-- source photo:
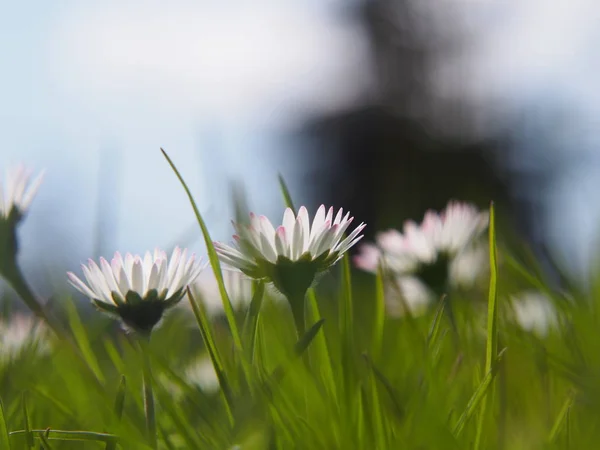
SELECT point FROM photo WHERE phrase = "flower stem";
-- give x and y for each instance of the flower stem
(297, 305)
(15, 278)
(149, 410)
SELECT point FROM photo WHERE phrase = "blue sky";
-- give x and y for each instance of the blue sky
(87, 85)
(218, 83)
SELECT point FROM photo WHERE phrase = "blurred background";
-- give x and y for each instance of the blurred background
(383, 107)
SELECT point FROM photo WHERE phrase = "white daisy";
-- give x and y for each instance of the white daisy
(18, 191)
(534, 312)
(238, 287)
(21, 332)
(136, 289)
(292, 255)
(442, 252)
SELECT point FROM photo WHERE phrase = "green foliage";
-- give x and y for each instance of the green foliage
(358, 378)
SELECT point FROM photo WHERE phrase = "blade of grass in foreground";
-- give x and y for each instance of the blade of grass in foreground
(491, 351)
(346, 326)
(44, 440)
(213, 352)
(82, 341)
(287, 198)
(379, 322)
(4, 441)
(118, 408)
(28, 433)
(562, 418)
(251, 321)
(476, 398)
(62, 435)
(214, 259)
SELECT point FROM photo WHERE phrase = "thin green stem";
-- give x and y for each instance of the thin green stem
(15, 278)
(149, 410)
(297, 305)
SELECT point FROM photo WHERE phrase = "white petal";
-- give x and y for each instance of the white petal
(31, 191)
(338, 217)
(137, 277)
(153, 277)
(329, 215)
(304, 221)
(289, 221)
(267, 230)
(318, 222)
(281, 244)
(108, 275)
(81, 286)
(324, 243)
(268, 250)
(297, 239)
(320, 235)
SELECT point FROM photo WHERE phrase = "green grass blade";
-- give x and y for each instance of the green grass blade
(118, 408)
(319, 351)
(4, 440)
(44, 440)
(346, 327)
(251, 322)
(387, 385)
(305, 341)
(28, 434)
(82, 340)
(207, 337)
(378, 422)
(120, 397)
(561, 419)
(492, 323)
(476, 398)
(491, 350)
(434, 329)
(63, 435)
(379, 321)
(213, 258)
(287, 198)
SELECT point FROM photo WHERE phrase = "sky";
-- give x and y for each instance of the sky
(91, 90)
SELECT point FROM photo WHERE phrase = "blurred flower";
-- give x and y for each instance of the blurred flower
(294, 254)
(238, 287)
(136, 289)
(16, 195)
(202, 373)
(534, 312)
(20, 333)
(427, 259)
(18, 191)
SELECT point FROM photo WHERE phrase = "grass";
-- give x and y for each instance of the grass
(358, 379)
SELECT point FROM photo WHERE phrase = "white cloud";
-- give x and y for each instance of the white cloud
(226, 60)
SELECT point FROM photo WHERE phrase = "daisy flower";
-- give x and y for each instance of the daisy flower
(18, 191)
(238, 287)
(426, 259)
(533, 311)
(138, 290)
(19, 333)
(293, 254)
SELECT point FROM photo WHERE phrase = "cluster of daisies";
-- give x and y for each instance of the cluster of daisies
(446, 251)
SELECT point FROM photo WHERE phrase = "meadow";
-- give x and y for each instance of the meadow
(406, 345)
